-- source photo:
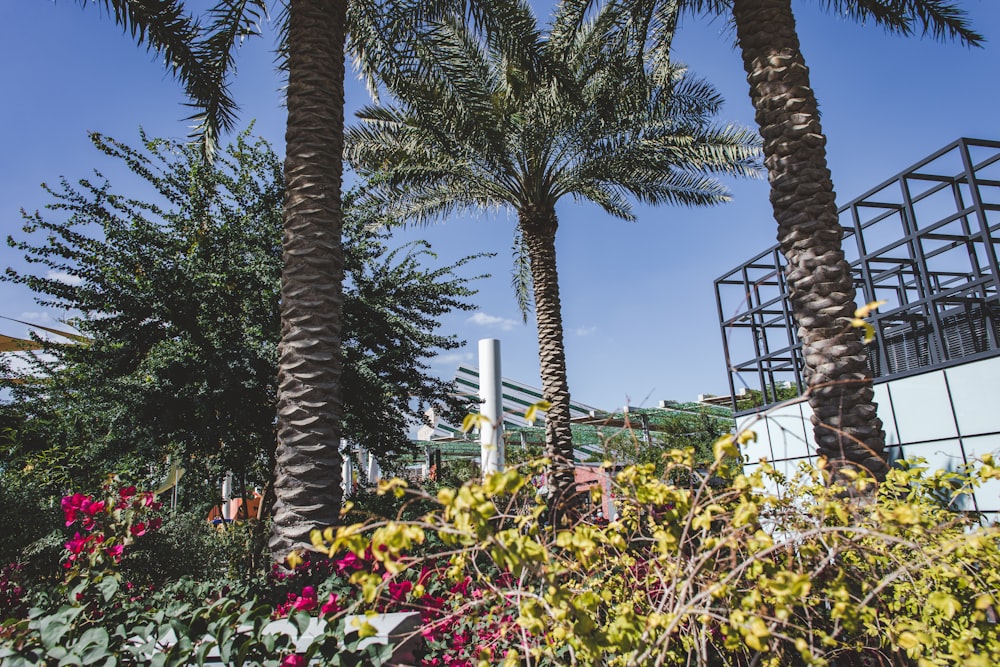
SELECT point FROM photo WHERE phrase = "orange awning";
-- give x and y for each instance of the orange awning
(11, 344)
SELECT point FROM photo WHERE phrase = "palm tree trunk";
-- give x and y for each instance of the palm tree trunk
(307, 474)
(539, 230)
(846, 428)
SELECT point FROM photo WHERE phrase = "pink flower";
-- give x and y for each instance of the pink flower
(307, 601)
(294, 660)
(138, 529)
(425, 574)
(77, 504)
(331, 606)
(126, 492)
(154, 524)
(115, 551)
(399, 591)
(348, 562)
(71, 505)
(462, 587)
(149, 500)
(77, 544)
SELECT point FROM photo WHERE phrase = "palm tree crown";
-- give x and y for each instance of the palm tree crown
(520, 118)
(477, 124)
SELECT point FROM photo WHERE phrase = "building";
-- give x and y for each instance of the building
(598, 436)
(922, 241)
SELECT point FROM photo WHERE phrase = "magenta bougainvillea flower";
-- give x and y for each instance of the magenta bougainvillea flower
(108, 526)
(306, 601)
(349, 563)
(399, 591)
(331, 606)
(80, 506)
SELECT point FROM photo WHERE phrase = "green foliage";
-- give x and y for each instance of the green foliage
(754, 398)
(507, 114)
(177, 295)
(183, 624)
(651, 436)
(818, 574)
(188, 546)
(391, 308)
(737, 576)
(176, 288)
(26, 515)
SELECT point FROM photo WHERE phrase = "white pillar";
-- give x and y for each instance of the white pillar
(227, 495)
(347, 473)
(491, 395)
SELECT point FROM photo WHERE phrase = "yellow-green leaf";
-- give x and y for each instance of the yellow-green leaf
(472, 421)
(531, 414)
(866, 310)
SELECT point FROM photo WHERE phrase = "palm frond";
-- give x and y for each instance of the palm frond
(941, 19)
(233, 21)
(566, 24)
(200, 65)
(521, 277)
(611, 199)
(604, 121)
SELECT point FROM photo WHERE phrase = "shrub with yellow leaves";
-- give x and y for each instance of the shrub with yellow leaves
(760, 570)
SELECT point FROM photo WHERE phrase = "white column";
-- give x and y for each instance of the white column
(227, 495)
(347, 474)
(373, 470)
(490, 393)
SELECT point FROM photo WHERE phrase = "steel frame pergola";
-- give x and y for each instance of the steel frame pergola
(925, 241)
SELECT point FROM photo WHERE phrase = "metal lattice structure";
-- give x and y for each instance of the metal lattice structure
(925, 242)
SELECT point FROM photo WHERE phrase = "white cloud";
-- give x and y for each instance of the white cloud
(65, 278)
(492, 321)
(450, 359)
(584, 331)
(37, 317)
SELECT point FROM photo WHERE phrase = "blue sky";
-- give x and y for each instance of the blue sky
(638, 301)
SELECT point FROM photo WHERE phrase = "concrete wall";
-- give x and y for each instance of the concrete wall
(947, 416)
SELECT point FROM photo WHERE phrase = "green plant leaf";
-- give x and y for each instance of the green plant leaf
(108, 586)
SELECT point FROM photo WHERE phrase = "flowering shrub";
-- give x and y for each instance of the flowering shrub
(821, 573)
(12, 593)
(109, 526)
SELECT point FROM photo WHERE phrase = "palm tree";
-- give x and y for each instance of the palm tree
(519, 118)
(821, 290)
(307, 476)
(307, 472)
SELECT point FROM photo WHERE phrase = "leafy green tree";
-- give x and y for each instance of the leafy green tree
(521, 118)
(821, 288)
(178, 290)
(313, 37)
